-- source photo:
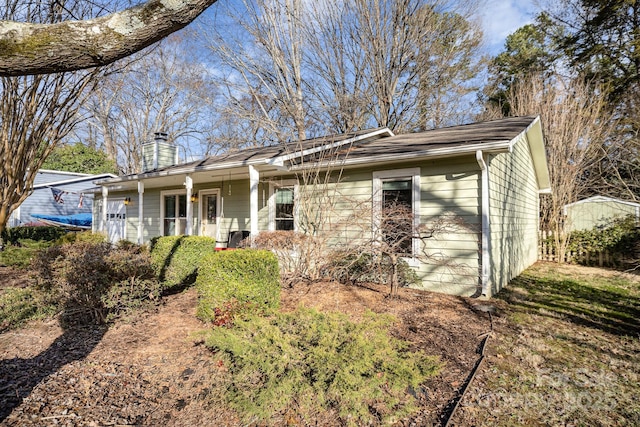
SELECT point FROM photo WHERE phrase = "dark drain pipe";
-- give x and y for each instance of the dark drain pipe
(472, 375)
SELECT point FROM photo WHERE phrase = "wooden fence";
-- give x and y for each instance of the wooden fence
(547, 252)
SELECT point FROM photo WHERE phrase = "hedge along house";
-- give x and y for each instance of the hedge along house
(598, 211)
(487, 175)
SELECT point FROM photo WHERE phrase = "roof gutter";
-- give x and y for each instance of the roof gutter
(486, 225)
(277, 162)
(96, 178)
(491, 148)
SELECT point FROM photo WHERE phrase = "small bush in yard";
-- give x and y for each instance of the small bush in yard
(175, 259)
(20, 253)
(82, 237)
(620, 236)
(309, 362)
(129, 295)
(350, 267)
(92, 280)
(297, 253)
(246, 277)
(18, 305)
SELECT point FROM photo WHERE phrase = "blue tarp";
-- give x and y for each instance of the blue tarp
(79, 220)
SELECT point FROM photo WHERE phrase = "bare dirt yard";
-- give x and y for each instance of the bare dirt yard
(154, 371)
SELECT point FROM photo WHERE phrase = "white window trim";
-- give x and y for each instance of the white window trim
(287, 183)
(162, 195)
(378, 178)
(208, 192)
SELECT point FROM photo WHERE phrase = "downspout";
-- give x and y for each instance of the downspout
(254, 180)
(486, 242)
(140, 211)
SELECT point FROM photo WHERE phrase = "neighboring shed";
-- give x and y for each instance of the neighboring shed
(488, 175)
(71, 187)
(597, 211)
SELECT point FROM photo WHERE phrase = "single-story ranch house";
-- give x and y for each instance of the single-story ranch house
(488, 176)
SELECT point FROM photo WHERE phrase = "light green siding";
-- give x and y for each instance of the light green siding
(341, 212)
(151, 220)
(446, 262)
(586, 215)
(166, 155)
(96, 213)
(451, 188)
(235, 211)
(514, 214)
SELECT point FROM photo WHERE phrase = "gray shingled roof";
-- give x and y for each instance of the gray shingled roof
(495, 131)
(449, 141)
(249, 155)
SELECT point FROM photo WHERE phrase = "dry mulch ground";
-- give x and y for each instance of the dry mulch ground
(153, 371)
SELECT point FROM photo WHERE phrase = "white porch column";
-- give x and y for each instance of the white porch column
(254, 179)
(140, 211)
(188, 182)
(103, 220)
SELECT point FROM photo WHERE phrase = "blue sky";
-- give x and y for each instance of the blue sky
(500, 18)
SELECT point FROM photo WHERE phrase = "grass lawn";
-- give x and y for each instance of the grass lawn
(565, 351)
(19, 256)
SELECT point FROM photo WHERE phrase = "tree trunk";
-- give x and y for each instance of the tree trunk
(394, 274)
(27, 48)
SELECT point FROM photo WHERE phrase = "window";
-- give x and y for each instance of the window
(396, 198)
(284, 208)
(396, 215)
(174, 218)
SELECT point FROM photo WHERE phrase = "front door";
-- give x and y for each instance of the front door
(116, 220)
(209, 215)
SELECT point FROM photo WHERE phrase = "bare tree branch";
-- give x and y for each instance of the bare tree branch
(34, 48)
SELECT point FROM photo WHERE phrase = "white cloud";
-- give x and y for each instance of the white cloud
(500, 18)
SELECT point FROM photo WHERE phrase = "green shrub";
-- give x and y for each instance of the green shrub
(39, 233)
(175, 259)
(127, 296)
(620, 236)
(348, 267)
(20, 253)
(310, 362)
(246, 277)
(85, 278)
(18, 305)
(82, 237)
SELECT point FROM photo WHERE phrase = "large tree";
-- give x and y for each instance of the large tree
(36, 112)
(603, 43)
(70, 44)
(575, 124)
(160, 90)
(298, 69)
(79, 158)
(532, 50)
(535, 75)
